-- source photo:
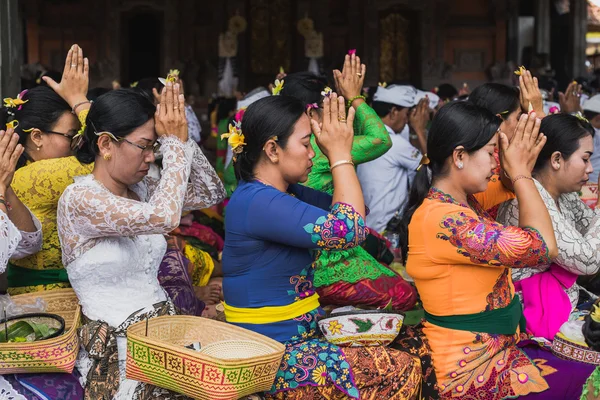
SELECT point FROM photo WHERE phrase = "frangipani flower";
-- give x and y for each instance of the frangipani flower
(277, 87)
(520, 71)
(172, 77)
(326, 92)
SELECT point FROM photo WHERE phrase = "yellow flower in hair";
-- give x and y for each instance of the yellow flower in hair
(134, 84)
(14, 103)
(326, 92)
(172, 77)
(520, 71)
(12, 124)
(383, 84)
(235, 138)
(277, 87)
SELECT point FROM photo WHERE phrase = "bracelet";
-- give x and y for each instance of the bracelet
(74, 109)
(341, 162)
(360, 96)
(518, 177)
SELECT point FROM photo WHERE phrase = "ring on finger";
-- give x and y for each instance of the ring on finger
(359, 74)
(73, 65)
(342, 120)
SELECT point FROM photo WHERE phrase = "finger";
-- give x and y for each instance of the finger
(520, 130)
(363, 71)
(156, 95)
(16, 154)
(163, 102)
(68, 61)
(523, 87)
(336, 78)
(12, 141)
(51, 82)
(182, 107)
(79, 60)
(561, 97)
(326, 111)
(503, 141)
(529, 127)
(86, 68)
(342, 108)
(350, 117)
(540, 144)
(171, 102)
(334, 109)
(3, 143)
(536, 130)
(347, 66)
(353, 62)
(316, 129)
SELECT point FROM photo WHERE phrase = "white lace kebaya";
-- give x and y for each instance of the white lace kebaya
(113, 246)
(16, 244)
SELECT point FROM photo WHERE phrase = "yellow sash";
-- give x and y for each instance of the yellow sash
(267, 315)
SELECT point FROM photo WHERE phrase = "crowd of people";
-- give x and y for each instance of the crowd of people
(485, 194)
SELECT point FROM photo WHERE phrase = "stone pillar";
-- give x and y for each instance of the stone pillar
(11, 48)
(542, 26)
(577, 43)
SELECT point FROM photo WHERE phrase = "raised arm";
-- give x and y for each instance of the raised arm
(205, 189)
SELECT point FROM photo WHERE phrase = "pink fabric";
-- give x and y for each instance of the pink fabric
(546, 305)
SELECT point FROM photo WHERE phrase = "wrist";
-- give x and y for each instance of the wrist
(76, 99)
(337, 157)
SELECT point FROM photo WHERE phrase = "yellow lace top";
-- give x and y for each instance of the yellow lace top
(39, 185)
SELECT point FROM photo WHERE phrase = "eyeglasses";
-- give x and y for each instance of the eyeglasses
(153, 148)
(72, 138)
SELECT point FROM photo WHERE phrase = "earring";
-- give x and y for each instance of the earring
(558, 166)
(460, 165)
(38, 149)
(276, 159)
(107, 157)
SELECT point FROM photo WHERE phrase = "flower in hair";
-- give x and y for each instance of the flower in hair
(383, 84)
(520, 71)
(235, 138)
(326, 92)
(172, 77)
(12, 124)
(580, 116)
(554, 110)
(16, 103)
(134, 84)
(277, 87)
(312, 106)
(351, 52)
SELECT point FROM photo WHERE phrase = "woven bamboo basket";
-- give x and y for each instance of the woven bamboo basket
(213, 373)
(51, 355)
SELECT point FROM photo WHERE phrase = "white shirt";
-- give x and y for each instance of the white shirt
(16, 244)
(385, 181)
(194, 127)
(595, 158)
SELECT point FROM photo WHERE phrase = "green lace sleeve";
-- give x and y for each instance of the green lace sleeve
(371, 139)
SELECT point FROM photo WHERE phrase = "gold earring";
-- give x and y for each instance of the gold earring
(107, 157)
(276, 159)
(38, 149)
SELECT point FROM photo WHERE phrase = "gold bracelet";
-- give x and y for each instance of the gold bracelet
(516, 178)
(341, 162)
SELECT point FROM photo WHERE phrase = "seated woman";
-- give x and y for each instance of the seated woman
(461, 259)
(111, 223)
(562, 168)
(272, 224)
(20, 230)
(46, 128)
(351, 276)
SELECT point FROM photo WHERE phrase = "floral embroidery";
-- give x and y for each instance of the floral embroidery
(335, 327)
(487, 242)
(342, 229)
(303, 284)
(500, 296)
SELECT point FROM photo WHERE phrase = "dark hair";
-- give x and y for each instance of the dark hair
(447, 92)
(94, 93)
(563, 132)
(305, 86)
(383, 109)
(497, 98)
(119, 112)
(43, 109)
(455, 124)
(264, 119)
